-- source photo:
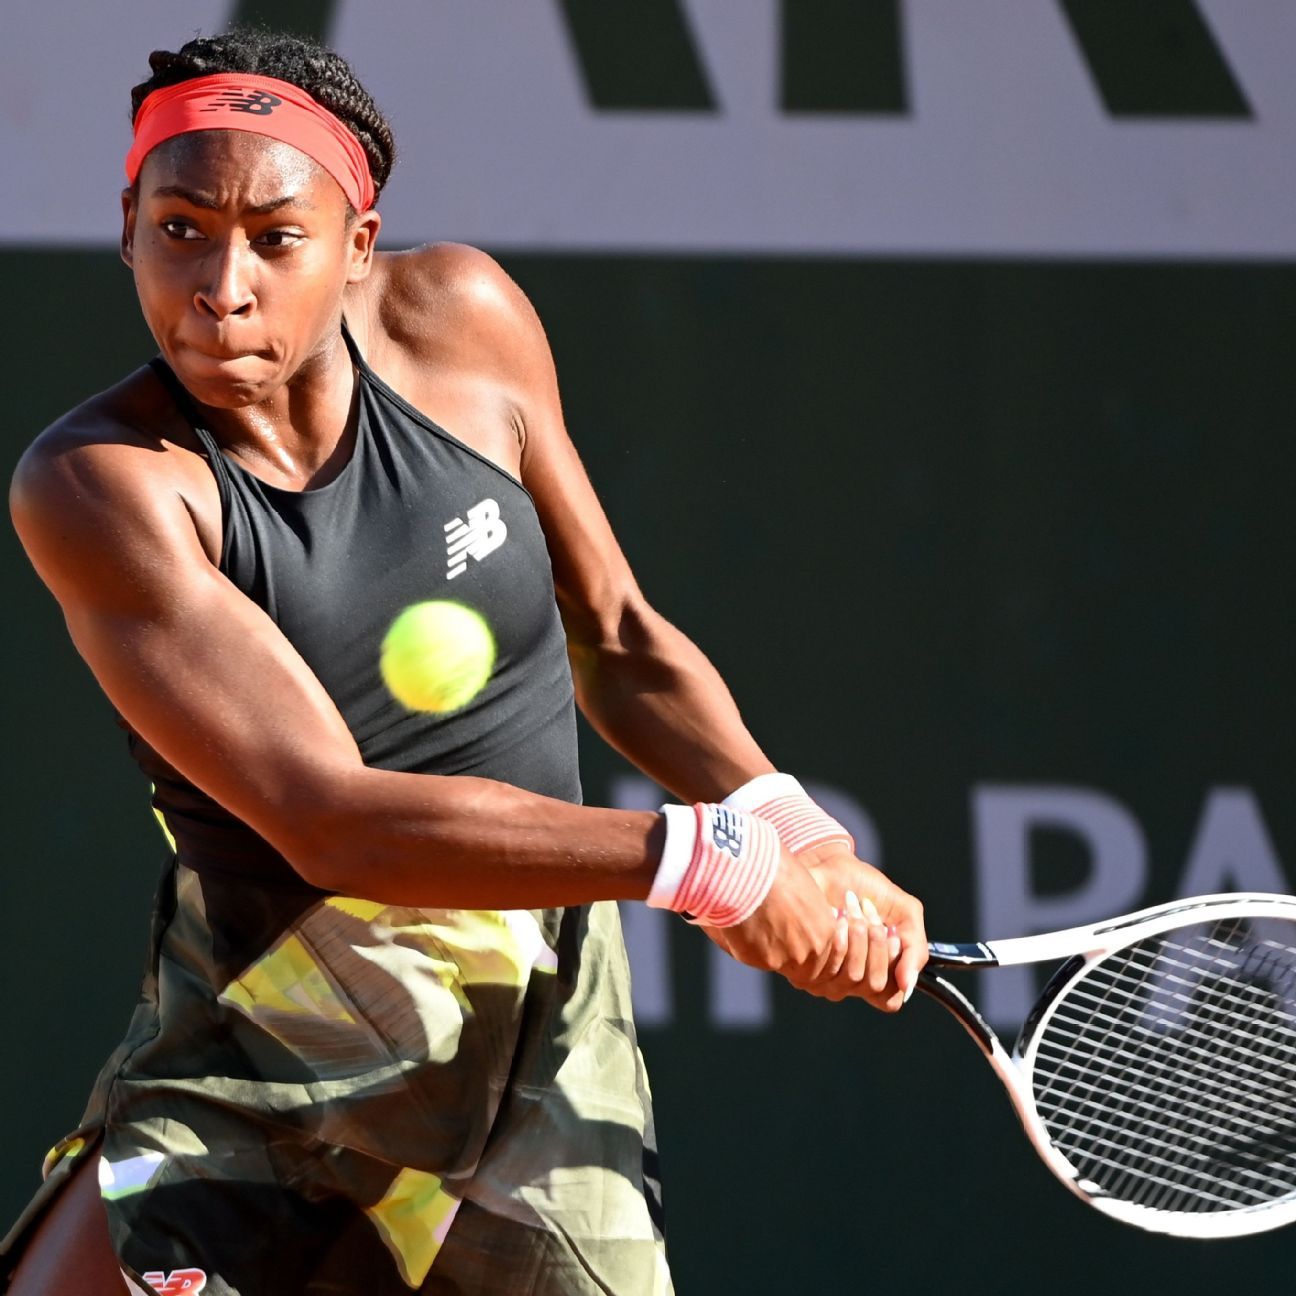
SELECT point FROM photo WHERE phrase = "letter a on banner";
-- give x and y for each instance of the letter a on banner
(1232, 849)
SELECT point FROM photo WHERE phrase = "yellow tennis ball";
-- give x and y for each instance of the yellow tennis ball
(437, 656)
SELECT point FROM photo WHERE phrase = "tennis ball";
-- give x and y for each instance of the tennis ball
(437, 656)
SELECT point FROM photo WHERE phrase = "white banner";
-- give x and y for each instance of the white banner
(1005, 147)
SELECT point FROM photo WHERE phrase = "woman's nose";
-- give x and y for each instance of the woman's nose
(228, 290)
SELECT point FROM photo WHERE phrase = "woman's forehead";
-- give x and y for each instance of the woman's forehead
(232, 165)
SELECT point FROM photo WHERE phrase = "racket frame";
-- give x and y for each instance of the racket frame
(1081, 948)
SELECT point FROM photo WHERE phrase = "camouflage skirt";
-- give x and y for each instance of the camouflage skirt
(323, 1095)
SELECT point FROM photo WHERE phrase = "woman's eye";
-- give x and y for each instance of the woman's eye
(178, 229)
(278, 238)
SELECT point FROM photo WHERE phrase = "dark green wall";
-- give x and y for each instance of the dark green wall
(940, 524)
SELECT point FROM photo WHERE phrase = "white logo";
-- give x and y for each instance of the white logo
(483, 533)
(190, 1281)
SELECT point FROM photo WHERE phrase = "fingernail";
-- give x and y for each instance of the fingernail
(853, 905)
(871, 912)
(909, 993)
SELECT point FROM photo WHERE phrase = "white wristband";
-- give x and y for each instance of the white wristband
(717, 865)
(677, 854)
(763, 789)
(779, 799)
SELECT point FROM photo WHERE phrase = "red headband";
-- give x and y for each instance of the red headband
(262, 106)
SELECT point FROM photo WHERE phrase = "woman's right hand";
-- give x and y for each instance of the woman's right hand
(797, 933)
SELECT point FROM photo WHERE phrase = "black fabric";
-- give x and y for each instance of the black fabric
(333, 567)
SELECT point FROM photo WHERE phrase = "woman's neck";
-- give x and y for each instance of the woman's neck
(303, 433)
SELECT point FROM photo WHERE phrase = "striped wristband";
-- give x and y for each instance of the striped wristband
(780, 800)
(717, 866)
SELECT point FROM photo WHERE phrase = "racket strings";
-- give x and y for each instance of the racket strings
(1150, 1098)
(1137, 1171)
(1166, 1073)
(1200, 1064)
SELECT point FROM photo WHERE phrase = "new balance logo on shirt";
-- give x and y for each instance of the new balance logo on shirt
(482, 533)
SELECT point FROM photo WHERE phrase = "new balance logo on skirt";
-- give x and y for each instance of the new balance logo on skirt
(188, 1281)
(481, 534)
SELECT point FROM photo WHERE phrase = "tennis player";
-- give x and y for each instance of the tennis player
(385, 1042)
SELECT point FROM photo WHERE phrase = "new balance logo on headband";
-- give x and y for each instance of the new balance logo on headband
(259, 103)
(481, 534)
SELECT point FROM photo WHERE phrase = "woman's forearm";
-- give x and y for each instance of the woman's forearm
(652, 694)
(463, 842)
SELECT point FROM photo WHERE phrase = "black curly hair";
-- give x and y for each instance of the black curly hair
(325, 76)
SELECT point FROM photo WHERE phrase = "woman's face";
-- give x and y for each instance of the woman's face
(241, 247)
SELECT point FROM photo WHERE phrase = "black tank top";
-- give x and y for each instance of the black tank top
(414, 515)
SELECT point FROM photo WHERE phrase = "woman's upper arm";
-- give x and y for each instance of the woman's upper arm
(592, 579)
(196, 668)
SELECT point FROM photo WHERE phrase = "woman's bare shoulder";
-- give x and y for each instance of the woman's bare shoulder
(128, 431)
(448, 295)
(125, 451)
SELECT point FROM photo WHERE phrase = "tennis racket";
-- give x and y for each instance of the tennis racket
(1156, 1074)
